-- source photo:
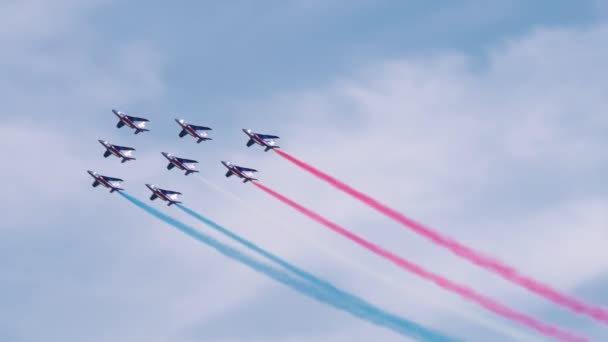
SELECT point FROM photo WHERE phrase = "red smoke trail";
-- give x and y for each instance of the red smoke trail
(507, 272)
(463, 291)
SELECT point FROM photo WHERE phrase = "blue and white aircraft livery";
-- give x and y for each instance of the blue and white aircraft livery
(193, 130)
(126, 153)
(109, 182)
(239, 171)
(265, 140)
(138, 124)
(166, 195)
(187, 165)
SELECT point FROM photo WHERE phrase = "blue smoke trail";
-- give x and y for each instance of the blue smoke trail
(369, 314)
(318, 282)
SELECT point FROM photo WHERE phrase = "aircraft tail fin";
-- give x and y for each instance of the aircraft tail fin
(139, 130)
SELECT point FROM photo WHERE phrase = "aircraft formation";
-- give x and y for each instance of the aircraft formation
(188, 166)
(200, 133)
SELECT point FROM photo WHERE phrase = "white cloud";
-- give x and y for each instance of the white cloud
(444, 142)
(440, 138)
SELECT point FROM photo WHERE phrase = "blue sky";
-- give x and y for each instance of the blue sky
(485, 121)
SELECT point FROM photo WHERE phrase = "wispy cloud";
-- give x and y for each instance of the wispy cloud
(506, 155)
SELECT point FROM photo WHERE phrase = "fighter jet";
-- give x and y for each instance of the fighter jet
(109, 182)
(138, 124)
(194, 130)
(265, 140)
(187, 165)
(241, 172)
(120, 151)
(166, 195)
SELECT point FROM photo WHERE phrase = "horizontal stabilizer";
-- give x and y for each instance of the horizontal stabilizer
(170, 166)
(250, 142)
(153, 197)
(107, 154)
(120, 124)
(182, 133)
(95, 184)
(229, 173)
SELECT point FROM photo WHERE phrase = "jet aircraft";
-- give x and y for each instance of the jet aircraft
(109, 182)
(123, 152)
(241, 172)
(138, 124)
(166, 195)
(187, 165)
(265, 140)
(194, 130)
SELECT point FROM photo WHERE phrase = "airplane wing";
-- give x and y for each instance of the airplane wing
(268, 136)
(169, 192)
(187, 161)
(246, 169)
(134, 118)
(200, 128)
(112, 179)
(124, 148)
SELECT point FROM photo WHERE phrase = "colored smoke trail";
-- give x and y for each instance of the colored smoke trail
(370, 314)
(487, 322)
(598, 313)
(318, 282)
(463, 291)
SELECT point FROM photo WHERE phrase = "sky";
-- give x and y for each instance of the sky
(484, 121)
